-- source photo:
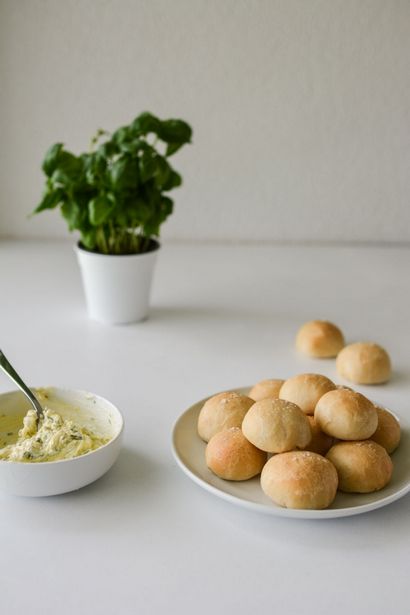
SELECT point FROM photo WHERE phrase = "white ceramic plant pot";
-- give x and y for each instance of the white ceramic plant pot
(117, 288)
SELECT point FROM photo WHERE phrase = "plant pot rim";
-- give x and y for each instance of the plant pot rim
(155, 246)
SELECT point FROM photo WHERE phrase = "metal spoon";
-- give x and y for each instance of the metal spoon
(10, 371)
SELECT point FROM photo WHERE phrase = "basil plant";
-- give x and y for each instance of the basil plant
(116, 195)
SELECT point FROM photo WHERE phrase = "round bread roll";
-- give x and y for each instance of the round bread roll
(230, 456)
(364, 363)
(276, 425)
(305, 390)
(266, 388)
(320, 442)
(222, 411)
(362, 467)
(319, 338)
(343, 386)
(387, 433)
(346, 415)
(300, 479)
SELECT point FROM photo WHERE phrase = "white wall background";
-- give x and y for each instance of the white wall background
(300, 108)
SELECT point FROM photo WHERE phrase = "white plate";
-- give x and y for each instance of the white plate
(189, 452)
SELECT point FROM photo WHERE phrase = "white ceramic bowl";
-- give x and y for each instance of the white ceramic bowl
(55, 477)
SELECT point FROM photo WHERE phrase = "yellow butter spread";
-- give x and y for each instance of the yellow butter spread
(53, 439)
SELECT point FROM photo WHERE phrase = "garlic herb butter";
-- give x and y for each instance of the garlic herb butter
(53, 439)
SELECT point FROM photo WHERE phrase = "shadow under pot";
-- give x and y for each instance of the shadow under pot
(117, 287)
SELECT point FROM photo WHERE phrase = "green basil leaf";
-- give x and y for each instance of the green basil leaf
(59, 178)
(107, 149)
(124, 174)
(51, 159)
(147, 166)
(139, 211)
(72, 214)
(167, 206)
(175, 131)
(50, 200)
(70, 164)
(159, 211)
(146, 123)
(100, 208)
(69, 169)
(87, 161)
(95, 166)
(172, 148)
(121, 135)
(174, 180)
(151, 228)
(152, 225)
(133, 147)
(88, 239)
(163, 172)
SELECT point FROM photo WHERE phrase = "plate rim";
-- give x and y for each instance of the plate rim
(275, 510)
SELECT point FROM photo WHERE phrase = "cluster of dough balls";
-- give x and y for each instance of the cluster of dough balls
(306, 436)
(361, 362)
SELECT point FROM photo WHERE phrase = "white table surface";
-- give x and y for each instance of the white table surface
(144, 538)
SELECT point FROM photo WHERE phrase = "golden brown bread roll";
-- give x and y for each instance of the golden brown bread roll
(387, 433)
(346, 415)
(230, 456)
(265, 389)
(222, 411)
(364, 363)
(300, 479)
(319, 338)
(320, 442)
(362, 467)
(305, 390)
(343, 386)
(276, 425)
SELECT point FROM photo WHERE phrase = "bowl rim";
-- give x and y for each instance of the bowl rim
(72, 459)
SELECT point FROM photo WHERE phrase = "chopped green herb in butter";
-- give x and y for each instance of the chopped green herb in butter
(53, 439)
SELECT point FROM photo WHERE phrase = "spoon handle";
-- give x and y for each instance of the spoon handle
(10, 371)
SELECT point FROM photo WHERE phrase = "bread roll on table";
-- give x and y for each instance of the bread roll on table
(305, 390)
(387, 433)
(222, 411)
(346, 415)
(362, 467)
(231, 456)
(364, 363)
(276, 425)
(265, 389)
(300, 479)
(319, 338)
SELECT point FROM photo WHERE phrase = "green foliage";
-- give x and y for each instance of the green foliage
(116, 194)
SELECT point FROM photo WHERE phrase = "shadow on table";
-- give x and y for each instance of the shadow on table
(131, 472)
(399, 377)
(374, 530)
(115, 497)
(209, 312)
